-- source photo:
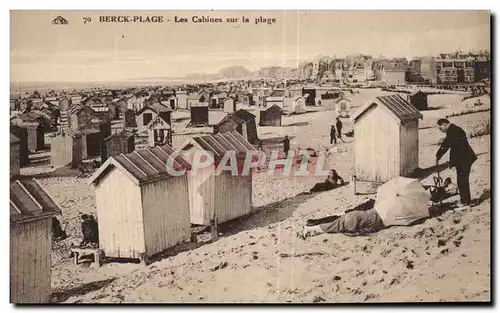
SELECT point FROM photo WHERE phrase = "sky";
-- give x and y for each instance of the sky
(96, 51)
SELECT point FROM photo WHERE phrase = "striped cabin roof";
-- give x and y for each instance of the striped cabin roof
(29, 201)
(122, 134)
(220, 143)
(142, 166)
(395, 105)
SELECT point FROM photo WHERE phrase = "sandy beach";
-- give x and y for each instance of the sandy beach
(259, 258)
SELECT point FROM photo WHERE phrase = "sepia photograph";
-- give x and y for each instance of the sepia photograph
(273, 156)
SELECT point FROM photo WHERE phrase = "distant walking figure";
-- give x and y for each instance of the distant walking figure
(333, 139)
(286, 145)
(461, 157)
(339, 127)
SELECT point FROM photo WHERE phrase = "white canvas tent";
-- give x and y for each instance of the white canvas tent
(299, 104)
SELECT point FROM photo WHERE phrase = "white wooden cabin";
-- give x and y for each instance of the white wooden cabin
(342, 107)
(230, 105)
(31, 213)
(182, 101)
(296, 105)
(142, 209)
(386, 139)
(159, 132)
(221, 196)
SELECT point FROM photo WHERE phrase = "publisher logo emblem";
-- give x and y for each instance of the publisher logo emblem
(59, 21)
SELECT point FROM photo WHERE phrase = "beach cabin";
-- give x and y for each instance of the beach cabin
(150, 112)
(418, 100)
(67, 148)
(246, 99)
(141, 208)
(386, 139)
(299, 104)
(35, 135)
(182, 102)
(31, 213)
(342, 107)
(171, 101)
(129, 119)
(159, 132)
(118, 143)
(271, 116)
(22, 134)
(196, 99)
(230, 105)
(15, 156)
(241, 121)
(220, 196)
(217, 100)
(93, 143)
(276, 97)
(79, 115)
(199, 116)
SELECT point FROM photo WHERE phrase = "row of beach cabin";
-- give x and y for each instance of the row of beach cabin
(143, 210)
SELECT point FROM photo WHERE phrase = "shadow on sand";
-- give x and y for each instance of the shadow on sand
(64, 171)
(80, 290)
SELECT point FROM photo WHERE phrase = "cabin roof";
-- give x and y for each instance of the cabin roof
(244, 115)
(77, 108)
(274, 107)
(122, 134)
(155, 119)
(72, 132)
(142, 166)
(29, 201)
(156, 107)
(90, 131)
(394, 104)
(220, 143)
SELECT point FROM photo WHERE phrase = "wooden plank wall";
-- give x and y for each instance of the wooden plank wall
(233, 196)
(166, 213)
(201, 196)
(30, 261)
(377, 145)
(15, 159)
(61, 151)
(409, 147)
(119, 211)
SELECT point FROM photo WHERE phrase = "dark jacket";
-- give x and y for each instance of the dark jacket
(461, 152)
(339, 124)
(332, 131)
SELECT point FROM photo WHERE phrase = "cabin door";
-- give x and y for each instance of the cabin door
(172, 104)
(159, 135)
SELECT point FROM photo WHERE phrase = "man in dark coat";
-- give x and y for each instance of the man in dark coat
(333, 138)
(461, 157)
(339, 127)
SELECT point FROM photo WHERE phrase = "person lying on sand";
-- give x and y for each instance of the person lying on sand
(361, 220)
(331, 182)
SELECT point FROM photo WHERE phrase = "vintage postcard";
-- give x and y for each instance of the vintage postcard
(250, 156)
